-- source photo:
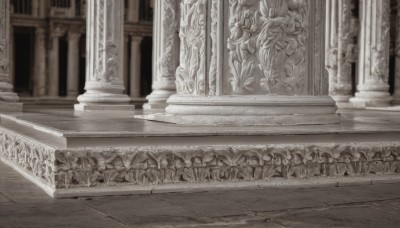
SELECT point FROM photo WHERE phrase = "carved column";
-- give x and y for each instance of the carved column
(339, 50)
(396, 95)
(165, 53)
(373, 78)
(104, 73)
(257, 62)
(73, 64)
(40, 62)
(8, 99)
(53, 61)
(135, 66)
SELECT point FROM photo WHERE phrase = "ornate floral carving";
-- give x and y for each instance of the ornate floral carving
(190, 75)
(32, 157)
(212, 84)
(151, 165)
(243, 63)
(112, 62)
(99, 33)
(168, 61)
(282, 43)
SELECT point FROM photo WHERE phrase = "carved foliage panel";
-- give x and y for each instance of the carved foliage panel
(267, 46)
(191, 73)
(35, 158)
(163, 165)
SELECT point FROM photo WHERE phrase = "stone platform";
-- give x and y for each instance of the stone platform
(72, 154)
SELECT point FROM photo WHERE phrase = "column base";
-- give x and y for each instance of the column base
(104, 102)
(248, 110)
(396, 99)
(10, 107)
(157, 100)
(371, 99)
(343, 101)
(103, 107)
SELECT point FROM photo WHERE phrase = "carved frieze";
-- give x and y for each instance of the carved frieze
(161, 165)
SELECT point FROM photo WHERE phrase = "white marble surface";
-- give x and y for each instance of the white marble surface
(66, 122)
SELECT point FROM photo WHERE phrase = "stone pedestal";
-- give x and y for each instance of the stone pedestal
(73, 64)
(339, 50)
(373, 78)
(104, 73)
(8, 99)
(165, 53)
(251, 63)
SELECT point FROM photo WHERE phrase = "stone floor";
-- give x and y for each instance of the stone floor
(22, 205)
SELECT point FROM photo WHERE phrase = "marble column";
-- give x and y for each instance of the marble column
(373, 75)
(165, 53)
(73, 64)
(11, 65)
(9, 101)
(339, 50)
(126, 62)
(396, 95)
(40, 63)
(257, 62)
(35, 8)
(133, 11)
(104, 73)
(53, 61)
(135, 66)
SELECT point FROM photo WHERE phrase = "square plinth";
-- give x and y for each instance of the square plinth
(90, 154)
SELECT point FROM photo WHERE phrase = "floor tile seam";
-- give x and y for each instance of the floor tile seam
(363, 202)
(9, 198)
(328, 207)
(105, 215)
(236, 203)
(195, 213)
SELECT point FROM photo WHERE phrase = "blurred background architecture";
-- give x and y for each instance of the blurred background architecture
(48, 46)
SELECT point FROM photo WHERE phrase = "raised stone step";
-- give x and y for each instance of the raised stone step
(73, 154)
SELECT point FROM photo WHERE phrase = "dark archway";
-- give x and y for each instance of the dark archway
(23, 60)
(146, 66)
